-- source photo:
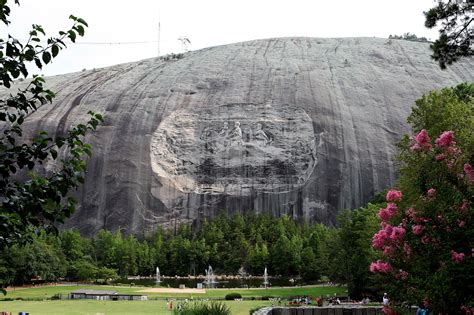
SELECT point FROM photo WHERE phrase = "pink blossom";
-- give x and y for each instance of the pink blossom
(379, 239)
(389, 212)
(417, 229)
(457, 257)
(388, 250)
(472, 252)
(388, 311)
(392, 209)
(384, 215)
(454, 151)
(461, 223)
(466, 310)
(431, 193)
(402, 274)
(469, 172)
(440, 218)
(446, 139)
(467, 168)
(425, 239)
(397, 234)
(410, 212)
(415, 147)
(422, 137)
(380, 266)
(407, 249)
(422, 141)
(440, 157)
(394, 195)
(464, 207)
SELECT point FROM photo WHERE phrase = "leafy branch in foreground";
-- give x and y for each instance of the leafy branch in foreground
(32, 198)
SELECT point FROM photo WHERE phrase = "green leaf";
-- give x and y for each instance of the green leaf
(72, 35)
(46, 57)
(79, 20)
(38, 63)
(55, 50)
(80, 30)
(30, 54)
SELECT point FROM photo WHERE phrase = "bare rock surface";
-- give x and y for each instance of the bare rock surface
(298, 126)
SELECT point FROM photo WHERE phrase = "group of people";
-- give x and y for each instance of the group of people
(232, 137)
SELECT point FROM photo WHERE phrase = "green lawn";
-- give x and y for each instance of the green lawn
(89, 307)
(48, 291)
(93, 307)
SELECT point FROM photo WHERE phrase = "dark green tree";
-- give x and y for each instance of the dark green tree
(456, 30)
(351, 252)
(30, 197)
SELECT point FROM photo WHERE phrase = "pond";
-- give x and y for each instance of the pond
(219, 283)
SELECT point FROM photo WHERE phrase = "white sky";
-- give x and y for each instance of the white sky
(207, 23)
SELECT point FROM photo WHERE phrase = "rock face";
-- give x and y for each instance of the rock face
(297, 126)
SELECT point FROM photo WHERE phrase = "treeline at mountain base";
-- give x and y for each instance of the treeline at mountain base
(313, 252)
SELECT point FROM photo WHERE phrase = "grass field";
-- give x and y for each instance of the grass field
(48, 291)
(88, 307)
(93, 307)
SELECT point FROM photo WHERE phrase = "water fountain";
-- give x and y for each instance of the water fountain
(158, 276)
(265, 278)
(210, 277)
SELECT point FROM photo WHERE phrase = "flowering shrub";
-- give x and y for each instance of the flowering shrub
(427, 234)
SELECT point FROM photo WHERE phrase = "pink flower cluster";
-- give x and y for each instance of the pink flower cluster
(388, 235)
(467, 310)
(457, 257)
(422, 141)
(389, 212)
(417, 229)
(410, 213)
(431, 193)
(393, 195)
(469, 172)
(402, 274)
(446, 139)
(388, 311)
(464, 206)
(380, 266)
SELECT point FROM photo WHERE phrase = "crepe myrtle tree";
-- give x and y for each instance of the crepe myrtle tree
(427, 242)
(455, 18)
(30, 198)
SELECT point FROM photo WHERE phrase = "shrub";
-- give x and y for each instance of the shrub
(233, 296)
(212, 308)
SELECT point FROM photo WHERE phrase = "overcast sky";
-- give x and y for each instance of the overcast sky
(207, 23)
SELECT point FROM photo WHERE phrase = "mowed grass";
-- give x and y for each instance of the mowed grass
(45, 292)
(92, 307)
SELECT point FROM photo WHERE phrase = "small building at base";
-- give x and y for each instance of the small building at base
(104, 295)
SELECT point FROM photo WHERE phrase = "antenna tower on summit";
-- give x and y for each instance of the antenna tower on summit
(159, 31)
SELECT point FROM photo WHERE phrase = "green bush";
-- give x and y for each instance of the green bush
(233, 296)
(212, 308)
(56, 296)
